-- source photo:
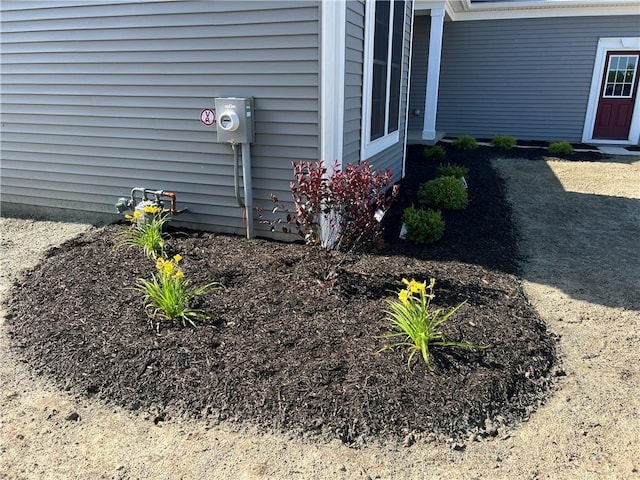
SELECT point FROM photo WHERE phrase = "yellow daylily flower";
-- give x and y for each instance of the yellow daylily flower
(179, 275)
(404, 296)
(151, 209)
(417, 287)
(177, 258)
(414, 286)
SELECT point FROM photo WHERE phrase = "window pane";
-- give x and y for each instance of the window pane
(611, 77)
(609, 90)
(629, 76)
(617, 91)
(378, 100)
(396, 66)
(626, 90)
(380, 65)
(381, 35)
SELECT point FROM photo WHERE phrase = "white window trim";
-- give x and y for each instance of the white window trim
(370, 148)
(605, 45)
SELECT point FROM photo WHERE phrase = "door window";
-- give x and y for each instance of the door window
(621, 74)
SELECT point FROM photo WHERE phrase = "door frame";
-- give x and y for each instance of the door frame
(606, 45)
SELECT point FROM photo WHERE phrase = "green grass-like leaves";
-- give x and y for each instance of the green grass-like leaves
(145, 232)
(417, 325)
(168, 293)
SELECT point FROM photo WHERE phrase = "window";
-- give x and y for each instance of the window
(384, 31)
(620, 76)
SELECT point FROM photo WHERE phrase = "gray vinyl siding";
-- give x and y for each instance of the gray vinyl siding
(529, 78)
(100, 97)
(391, 157)
(419, 61)
(354, 65)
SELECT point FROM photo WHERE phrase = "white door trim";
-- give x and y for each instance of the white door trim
(605, 45)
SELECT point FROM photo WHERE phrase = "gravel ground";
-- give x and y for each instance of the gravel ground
(580, 223)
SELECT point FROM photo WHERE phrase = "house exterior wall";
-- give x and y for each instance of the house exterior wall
(529, 78)
(419, 61)
(393, 156)
(354, 65)
(100, 97)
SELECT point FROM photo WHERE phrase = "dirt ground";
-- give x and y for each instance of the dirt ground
(580, 223)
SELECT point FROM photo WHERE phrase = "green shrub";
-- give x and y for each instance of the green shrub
(446, 193)
(451, 170)
(436, 153)
(465, 142)
(503, 142)
(560, 148)
(423, 226)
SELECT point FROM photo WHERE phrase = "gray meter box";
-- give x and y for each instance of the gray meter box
(234, 120)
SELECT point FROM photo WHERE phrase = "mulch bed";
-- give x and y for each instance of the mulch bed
(284, 353)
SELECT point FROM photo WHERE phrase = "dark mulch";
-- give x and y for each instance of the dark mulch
(284, 353)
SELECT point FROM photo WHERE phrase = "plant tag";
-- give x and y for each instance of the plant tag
(403, 232)
(379, 215)
(464, 183)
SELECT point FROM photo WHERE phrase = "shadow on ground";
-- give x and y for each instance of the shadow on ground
(576, 230)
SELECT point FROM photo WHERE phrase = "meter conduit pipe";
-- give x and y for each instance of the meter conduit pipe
(246, 177)
(248, 192)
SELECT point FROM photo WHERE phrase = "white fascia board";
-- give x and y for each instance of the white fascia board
(461, 11)
(332, 72)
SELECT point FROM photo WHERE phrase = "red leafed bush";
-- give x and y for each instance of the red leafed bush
(340, 209)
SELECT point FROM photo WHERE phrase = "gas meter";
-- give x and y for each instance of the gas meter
(234, 120)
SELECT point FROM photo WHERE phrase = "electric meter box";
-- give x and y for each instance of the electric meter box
(234, 120)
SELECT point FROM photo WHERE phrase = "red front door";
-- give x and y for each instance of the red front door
(617, 96)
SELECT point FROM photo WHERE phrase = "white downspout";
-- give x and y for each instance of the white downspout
(332, 90)
(248, 191)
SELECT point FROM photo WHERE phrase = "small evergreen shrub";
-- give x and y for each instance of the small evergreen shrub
(503, 142)
(423, 226)
(560, 148)
(436, 153)
(465, 142)
(451, 170)
(446, 193)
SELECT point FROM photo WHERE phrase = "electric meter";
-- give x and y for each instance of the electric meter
(228, 121)
(235, 120)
